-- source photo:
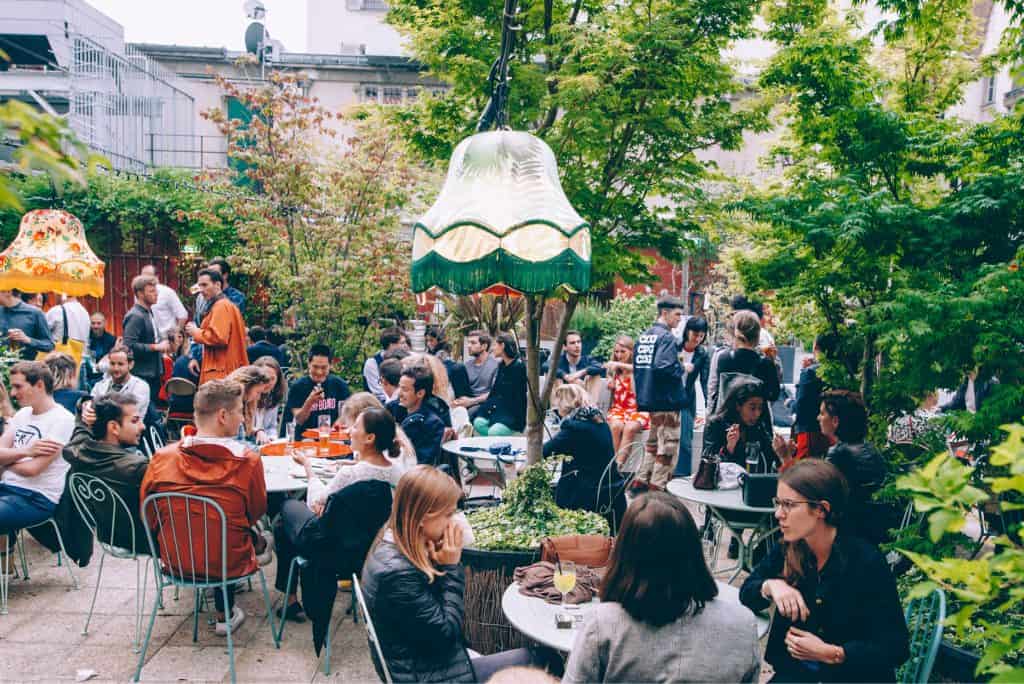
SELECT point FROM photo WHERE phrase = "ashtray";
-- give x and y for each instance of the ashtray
(564, 621)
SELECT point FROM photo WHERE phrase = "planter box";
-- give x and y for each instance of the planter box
(955, 664)
(488, 574)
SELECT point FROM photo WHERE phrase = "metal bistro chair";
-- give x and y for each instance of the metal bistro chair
(300, 562)
(96, 501)
(205, 519)
(5, 578)
(925, 616)
(371, 633)
(176, 420)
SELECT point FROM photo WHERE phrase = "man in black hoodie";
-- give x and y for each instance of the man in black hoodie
(658, 375)
(103, 445)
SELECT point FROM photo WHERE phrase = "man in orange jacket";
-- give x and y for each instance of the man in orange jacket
(222, 331)
(214, 465)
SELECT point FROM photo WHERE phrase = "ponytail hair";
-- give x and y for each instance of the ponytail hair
(381, 424)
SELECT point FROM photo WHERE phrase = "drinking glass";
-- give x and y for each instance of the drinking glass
(289, 437)
(565, 578)
(323, 426)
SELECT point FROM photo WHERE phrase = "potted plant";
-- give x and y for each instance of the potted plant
(506, 537)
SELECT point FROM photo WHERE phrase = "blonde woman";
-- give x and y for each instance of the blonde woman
(590, 481)
(625, 420)
(414, 584)
(255, 381)
(268, 407)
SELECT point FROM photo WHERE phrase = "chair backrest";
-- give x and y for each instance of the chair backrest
(371, 633)
(102, 509)
(180, 387)
(925, 616)
(188, 531)
(155, 438)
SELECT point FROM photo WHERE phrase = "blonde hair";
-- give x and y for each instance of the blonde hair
(356, 404)
(442, 388)
(423, 490)
(569, 397)
(248, 377)
(627, 342)
(214, 395)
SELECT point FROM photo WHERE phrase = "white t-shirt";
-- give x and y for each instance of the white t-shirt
(78, 322)
(350, 474)
(687, 358)
(56, 424)
(167, 311)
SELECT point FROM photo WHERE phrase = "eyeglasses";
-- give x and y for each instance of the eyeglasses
(789, 504)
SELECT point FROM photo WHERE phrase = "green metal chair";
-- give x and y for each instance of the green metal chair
(205, 520)
(96, 502)
(5, 578)
(371, 633)
(925, 616)
(300, 562)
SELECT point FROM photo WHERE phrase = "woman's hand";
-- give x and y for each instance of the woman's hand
(786, 449)
(732, 437)
(449, 550)
(318, 508)
(788, 600)
(808, 646)
(299, 457)
(262, 437)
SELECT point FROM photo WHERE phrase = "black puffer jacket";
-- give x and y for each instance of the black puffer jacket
(865, 470)
(419, 623)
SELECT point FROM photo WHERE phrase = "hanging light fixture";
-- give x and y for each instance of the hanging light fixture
(502, 218)
(51, 254)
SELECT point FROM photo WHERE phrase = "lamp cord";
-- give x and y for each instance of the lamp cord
(496, 111)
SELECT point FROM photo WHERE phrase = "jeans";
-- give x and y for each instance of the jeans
(684, 465)
(219, 603)
(21, 508)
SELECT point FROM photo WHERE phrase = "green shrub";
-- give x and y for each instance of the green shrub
(624, 316)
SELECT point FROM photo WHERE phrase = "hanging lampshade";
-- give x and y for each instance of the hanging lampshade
(501, 219)
(50, 254)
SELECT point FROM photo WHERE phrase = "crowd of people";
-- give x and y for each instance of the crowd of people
(838, 616)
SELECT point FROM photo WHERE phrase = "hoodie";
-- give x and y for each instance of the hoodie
(223, 470)
(123, 470)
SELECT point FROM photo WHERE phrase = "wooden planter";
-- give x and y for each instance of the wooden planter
(488, 574)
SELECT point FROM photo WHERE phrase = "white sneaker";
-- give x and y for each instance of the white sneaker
(237, 618)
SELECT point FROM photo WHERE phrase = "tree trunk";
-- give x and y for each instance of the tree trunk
(538, 399)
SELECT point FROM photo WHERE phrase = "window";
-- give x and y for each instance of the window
(392, 96)
(371, 94)
(990, 90)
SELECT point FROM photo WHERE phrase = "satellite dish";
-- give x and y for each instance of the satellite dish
(256, 37)
(254, 9)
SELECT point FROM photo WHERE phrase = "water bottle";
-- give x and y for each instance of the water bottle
(241, 433)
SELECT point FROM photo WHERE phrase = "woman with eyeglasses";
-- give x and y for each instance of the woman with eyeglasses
(838, 616)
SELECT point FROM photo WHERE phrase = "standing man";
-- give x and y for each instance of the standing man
(318, 393)
(168, 312)
(222, 332)
(76, 316)
(24, 326)
(421, 425)
(658, 376)
(390, 340)
(573, 366)
(119, 378)
(481, 368)
(140, 335)
(233, 294)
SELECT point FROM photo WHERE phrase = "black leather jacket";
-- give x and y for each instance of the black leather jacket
(418, 623)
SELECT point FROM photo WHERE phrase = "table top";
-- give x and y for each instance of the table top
(455, 447)
(535, 618)
(279, 478)
(727, 499)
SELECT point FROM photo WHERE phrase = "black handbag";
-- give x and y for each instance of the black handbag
(759, 489)
(707, 473)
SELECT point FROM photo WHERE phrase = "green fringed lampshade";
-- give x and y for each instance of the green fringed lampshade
(501, 219)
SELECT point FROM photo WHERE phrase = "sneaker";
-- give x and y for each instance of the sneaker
(292, 612)
(237, 618)
(267, 554)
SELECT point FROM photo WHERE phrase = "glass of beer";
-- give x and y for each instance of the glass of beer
(323, 425)
(565, 578)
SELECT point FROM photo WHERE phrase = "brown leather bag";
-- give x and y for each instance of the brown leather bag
(707, 473)
(592, 550)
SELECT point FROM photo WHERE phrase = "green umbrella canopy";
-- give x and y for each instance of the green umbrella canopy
(501, 218)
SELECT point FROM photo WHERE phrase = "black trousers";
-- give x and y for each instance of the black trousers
(294, 515)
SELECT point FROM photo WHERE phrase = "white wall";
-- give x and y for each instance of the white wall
(331, 25)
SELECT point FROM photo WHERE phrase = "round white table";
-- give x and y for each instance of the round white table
(719, 502)
(476, 449)
(281, 473)
(535, 617)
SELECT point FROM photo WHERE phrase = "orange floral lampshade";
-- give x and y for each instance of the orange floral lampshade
(50, 254)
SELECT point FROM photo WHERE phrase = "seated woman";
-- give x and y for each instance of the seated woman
(844, 418)
(659, 618)
(413, 585)
(838, 616)
(585, 436)
(736, 429)
(373, 438)
(255, 381)
(504, 412)
(268, 406)
(625, 420)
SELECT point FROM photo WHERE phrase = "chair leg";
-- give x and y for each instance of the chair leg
(20, 544)
(327, 651)
(270, 610)
(228, 613)
(141, 580)
(149, 632)
(352, 608)
(95, 592)
(5, 573)
(195, 617)
(60, 542)
(284, 604)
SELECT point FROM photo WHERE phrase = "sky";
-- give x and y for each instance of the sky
(207, 23)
